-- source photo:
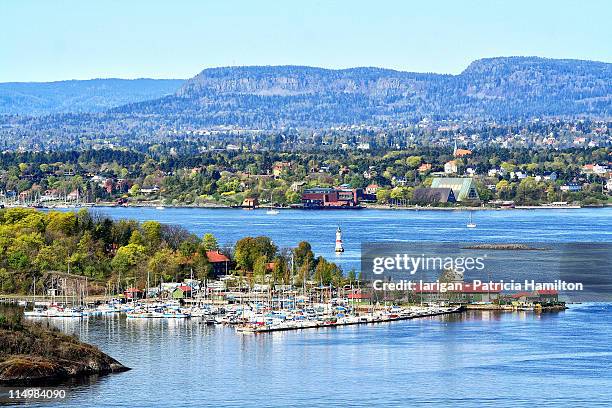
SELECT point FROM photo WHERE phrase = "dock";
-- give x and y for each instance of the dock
(310, 324)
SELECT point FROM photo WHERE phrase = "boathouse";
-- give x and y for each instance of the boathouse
(133, 293)
(250, 202)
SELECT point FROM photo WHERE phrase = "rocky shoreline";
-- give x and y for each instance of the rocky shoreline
(34, 354)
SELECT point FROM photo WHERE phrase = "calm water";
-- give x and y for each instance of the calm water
(476, 359)
(290, 227)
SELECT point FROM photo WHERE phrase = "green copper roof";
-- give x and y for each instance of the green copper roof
(463, 188)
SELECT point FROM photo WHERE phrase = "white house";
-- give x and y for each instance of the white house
(552, 176)
(450, 167)
(571, 187)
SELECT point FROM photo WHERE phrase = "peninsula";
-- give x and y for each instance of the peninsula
(30, 353)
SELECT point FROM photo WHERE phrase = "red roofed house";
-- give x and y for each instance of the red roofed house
(372, 189)
(182, 292)
(279, 167)
(425, 167)
(220, 263)
(133, 293)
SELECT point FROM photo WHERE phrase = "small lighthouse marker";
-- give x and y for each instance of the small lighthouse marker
(339, 246)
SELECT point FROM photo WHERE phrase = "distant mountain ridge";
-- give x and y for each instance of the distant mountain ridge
(94, 95)
(493, 88)
(268, 97)
(298, 80)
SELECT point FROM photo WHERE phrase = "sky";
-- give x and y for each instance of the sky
(57, 40)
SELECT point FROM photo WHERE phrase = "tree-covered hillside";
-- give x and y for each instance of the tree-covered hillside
(500, 90)
(496, 88)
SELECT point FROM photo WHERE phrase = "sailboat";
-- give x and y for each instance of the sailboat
(271, 210)
(471, 223)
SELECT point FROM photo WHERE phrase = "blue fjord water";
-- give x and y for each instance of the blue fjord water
(473, 359)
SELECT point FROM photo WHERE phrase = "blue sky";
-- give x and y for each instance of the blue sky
(56, 40)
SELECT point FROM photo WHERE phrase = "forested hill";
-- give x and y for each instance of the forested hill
(495, 88)
(95, 95)
(276, 97)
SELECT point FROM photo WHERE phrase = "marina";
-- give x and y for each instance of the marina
(253, 318)
(254, 337)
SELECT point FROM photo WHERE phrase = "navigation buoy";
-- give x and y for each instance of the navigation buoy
(339, 246)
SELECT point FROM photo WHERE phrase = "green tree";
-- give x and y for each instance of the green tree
(136, 238)
(128, 258)
(303, 255)
(259, 269)
(248, 249)
(152, 234)
(383, 195)
(209, 242)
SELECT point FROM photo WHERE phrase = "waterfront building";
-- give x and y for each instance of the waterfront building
(433, 195)
(250, 202)
(133, 293)
(466, 293)
(182, 292)
(538, 296)
(220, 263)
(463, 188)
(321, 197)
(359, 296)
(372, 189)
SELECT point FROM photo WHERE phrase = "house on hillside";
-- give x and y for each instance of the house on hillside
(571, 187)
(424, 168)
(372, 188)
(279, 167)
(450, 167)
(297, 186)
